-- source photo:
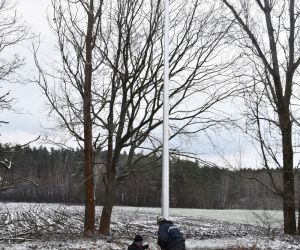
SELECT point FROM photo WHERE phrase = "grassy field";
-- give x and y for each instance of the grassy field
(59, 226)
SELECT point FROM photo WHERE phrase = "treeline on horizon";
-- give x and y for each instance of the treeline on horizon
(56, 175)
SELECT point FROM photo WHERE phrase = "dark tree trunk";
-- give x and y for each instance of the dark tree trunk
(299, 215)
(288, 175)
(110, 175)
(108, 204)
(89, 219)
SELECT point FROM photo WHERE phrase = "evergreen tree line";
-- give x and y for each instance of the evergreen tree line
(56, 175)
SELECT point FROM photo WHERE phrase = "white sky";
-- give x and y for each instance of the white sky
(29, 100)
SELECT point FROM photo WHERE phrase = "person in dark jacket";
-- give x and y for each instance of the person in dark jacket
(138, 243)
(169, 236)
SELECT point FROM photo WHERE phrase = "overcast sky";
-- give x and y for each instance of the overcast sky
(28, 99)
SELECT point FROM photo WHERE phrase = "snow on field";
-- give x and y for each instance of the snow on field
(56, 226)
(235, 216)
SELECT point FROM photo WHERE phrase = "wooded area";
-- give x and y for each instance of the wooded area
(60, 176)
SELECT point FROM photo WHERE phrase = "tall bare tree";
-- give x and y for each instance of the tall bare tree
(267, 33)
(127, 83)
(89, 223)
(12, 32)
(132, 101)
(76, 25)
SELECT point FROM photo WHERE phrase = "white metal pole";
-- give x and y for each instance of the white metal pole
(165, 170)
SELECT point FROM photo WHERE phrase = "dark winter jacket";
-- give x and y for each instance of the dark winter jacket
(134, 246)
(170, 237)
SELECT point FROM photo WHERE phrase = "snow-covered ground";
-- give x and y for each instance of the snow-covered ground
(55, 226)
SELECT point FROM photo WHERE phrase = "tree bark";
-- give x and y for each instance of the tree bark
(299, 215)
(108, 204)
(288, 175)
(89, 220)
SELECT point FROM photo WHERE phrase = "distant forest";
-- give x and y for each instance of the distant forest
(56, 175)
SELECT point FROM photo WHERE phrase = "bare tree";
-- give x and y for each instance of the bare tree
(87, 122)
(12, 32)
(127, 83)
(267, 34)
(132, 101)
(76, 25)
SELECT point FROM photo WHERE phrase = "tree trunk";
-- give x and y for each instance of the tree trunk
(289, 212)
(89, 219)
(299, 215)
(108, 204)
(288, 175)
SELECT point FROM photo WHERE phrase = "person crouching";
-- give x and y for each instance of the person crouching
(138, 243)
(169, 235)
